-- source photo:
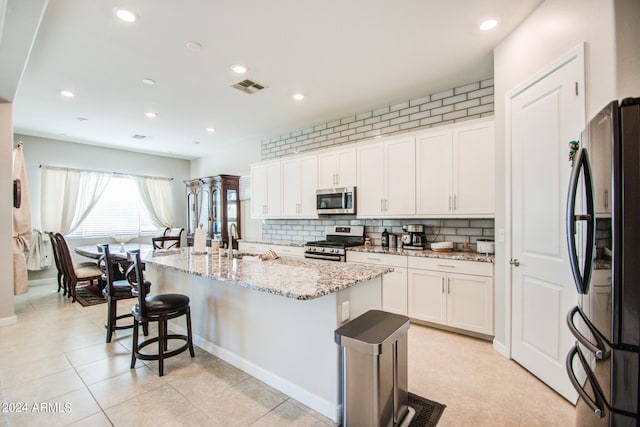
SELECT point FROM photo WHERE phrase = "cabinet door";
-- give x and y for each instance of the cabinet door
(308, 186)
(290, 188)
(259, 191)
(327, 167)
(394, 291)
(427, 297)
(370, 194)
(434, 163)
(474, 170)
(346, 168)
(274, 191)
(400, 177)
(470, 302)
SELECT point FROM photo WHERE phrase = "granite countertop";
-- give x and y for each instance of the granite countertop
(602, 264)
(292, 277)
(427, 253)
(278, 242)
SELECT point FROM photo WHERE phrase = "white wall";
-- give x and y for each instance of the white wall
(627, 49)
(553, 29)
(6, 214)
(41, 151)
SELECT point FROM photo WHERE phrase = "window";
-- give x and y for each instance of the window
(118, 211)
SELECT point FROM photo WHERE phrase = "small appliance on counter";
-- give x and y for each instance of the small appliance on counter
(415, 237)
(338, 238)
(485, 246)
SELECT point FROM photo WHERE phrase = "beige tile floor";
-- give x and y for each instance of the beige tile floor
(56, 354)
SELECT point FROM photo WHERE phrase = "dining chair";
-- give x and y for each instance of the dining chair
(116, 290)
(170, 239)
(75, 273)
(57, 258)
(158, 308)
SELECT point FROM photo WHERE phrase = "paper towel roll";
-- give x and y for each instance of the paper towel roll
(200, 240)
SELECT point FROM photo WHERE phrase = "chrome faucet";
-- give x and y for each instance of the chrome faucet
(233, 232)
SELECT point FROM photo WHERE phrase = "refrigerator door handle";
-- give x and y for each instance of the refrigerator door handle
(581, 278)
(599, 349)
(598, 405)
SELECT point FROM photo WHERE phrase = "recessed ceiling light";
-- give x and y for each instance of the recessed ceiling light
(126, 15)
(298, 96)
(151, 115)
(194, 45)
(81, 119)
(489, 24)
(149, 82)
(67, 93)
(196, 142)
(239, 69)
(210, 130)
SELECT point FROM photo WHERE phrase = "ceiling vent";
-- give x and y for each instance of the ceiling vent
(248, 86)
(140, 137)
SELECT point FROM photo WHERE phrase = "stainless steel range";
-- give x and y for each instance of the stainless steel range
(338, 238)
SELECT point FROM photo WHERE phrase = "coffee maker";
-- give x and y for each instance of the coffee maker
(415, 237)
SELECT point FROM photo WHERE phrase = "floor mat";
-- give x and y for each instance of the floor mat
(428, 412)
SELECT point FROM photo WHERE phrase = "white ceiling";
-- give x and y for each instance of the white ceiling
(345, 56)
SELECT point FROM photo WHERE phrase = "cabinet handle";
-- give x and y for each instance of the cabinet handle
(335, 178)
(454, 203)
(449, 202)
(445, 265)
(374, 259)
(381, 205)
(606, 199)
(443, 285)
(448, 285)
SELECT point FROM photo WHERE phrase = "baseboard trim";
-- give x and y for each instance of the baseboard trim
(42, 282)
(8, 321)
(318, 404)
(500, 348)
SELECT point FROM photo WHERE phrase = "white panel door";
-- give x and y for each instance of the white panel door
(370, 190)
(400, 177)
(434, 162)
(427, 296)
(474, 169)
(545, 117)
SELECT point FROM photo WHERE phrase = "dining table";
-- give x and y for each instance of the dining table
(118, 253)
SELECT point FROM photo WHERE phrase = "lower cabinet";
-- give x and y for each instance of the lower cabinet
(394, 285)
(454, 293)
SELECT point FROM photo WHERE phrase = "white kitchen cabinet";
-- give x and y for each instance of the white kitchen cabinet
(266, 190)
(386, 177)
(457, 294)
(394, 284)
(337, 168)
(299, 183)
(455, 171)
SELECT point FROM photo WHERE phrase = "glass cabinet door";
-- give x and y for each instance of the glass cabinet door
(232, 209)
(192, 221)
(203, 209)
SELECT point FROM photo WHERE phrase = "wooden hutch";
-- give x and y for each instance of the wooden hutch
(214, 203)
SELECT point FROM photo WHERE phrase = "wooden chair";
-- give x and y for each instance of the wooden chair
(73, 274)
(59, 267)
(158, 308)
(114, 291)
(170, 239)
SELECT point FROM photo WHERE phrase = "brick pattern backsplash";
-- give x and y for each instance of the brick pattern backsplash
(470, 101)
(458, 231)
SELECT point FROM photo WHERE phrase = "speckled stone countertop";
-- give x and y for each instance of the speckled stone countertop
(602, 264)
(279, 242)
(427, 253)
(292, 277)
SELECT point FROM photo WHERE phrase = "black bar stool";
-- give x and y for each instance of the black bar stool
(158, 308)
(114, 291)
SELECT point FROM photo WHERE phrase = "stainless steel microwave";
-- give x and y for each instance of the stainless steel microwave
(335, 201)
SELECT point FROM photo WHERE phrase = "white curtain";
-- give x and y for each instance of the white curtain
(68, 195)
(155, 194)
(21, 226)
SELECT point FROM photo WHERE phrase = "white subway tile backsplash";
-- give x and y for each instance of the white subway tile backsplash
(442, 110)
(400, 106)
(454, 99)
(419, 101)
(440, 95)
(454, 115)
(467, 104)
(486, 83)
(467, 88)
(431, 105)
(391, 115)
(364, 116)
(480, 93)
(347, 120)
(396, 121)
(380, 111)
(481, 109)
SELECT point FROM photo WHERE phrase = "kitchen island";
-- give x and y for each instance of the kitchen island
(273, 319)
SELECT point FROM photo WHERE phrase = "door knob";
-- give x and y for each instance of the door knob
(514, 262)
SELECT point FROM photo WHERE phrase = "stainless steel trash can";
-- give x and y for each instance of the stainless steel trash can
(374, 369)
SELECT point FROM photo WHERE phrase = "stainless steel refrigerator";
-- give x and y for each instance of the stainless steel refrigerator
(603, 233)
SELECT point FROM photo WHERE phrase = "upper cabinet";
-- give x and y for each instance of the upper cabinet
(299, 183)
(265, 190)
(337, 168)
(386, 178)
(455, 171)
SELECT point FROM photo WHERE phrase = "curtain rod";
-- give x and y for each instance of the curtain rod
(113, 173)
